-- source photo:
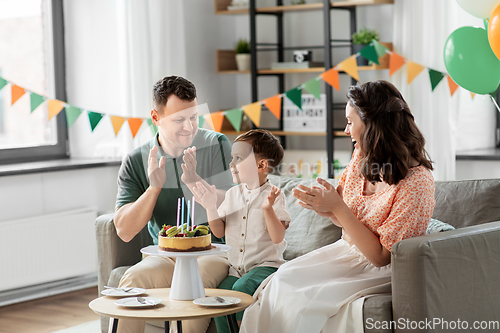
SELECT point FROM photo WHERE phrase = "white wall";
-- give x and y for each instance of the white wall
(37, 194)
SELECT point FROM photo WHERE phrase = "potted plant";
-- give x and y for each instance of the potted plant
(360, 39)
(242, 50)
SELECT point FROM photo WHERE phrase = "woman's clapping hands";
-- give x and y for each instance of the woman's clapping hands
(322, 199)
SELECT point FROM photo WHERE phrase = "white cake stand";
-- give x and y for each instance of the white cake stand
(186, 282)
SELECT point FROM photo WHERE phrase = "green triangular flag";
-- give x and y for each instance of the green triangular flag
(152, 126)
(435, 77)
(369, 52)
(379, 48)
(313, 87)
(94, 119)
(235, 116)
(72, 112)
(201, 119)
(3, 83)
(36, 100)
(295, 95)
(486, 24)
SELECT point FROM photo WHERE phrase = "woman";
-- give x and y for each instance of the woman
(386, 194)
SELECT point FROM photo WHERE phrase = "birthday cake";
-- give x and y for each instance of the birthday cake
(184, 238)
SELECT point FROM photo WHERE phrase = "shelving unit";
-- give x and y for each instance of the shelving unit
(227, 65)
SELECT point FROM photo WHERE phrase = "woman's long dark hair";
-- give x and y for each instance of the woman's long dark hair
(391, 138)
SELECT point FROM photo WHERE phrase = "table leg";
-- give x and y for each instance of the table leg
(115, 325)
(167, 326)
(231, 324)
(179, 326)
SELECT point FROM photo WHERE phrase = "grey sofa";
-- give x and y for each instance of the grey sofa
(446, 278)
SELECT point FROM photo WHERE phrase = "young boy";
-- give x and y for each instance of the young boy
(253, 215)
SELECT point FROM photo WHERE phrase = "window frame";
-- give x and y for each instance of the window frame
(57, 83)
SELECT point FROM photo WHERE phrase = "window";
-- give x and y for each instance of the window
(32, 57)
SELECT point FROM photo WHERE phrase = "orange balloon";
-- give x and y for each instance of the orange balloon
(494, 31)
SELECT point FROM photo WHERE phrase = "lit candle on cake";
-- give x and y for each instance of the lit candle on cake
(192, 213)
(182, 215)
(178, 211)
(188, 211)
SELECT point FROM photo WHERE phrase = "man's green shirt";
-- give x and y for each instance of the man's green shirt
(213, 155)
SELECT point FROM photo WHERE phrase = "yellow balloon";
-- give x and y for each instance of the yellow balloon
(494, 32)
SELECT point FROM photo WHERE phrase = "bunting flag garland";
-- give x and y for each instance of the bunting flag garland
(369, 52)
(55, 106)
(295, 95)
(201, 120)
(17, 92)
(379, 48)
(350, 66)
(331, 77)
(134, 124)
(35, 100)
(72, 113)
(94, 119)
(413, 69)
(253, 112)
(274, 105)
(314, 88)
(453, 86)
(234, 116)
(117, 123)
(154, 128)
(395, 63)
(3, 83)
(435, 77)
(217, 119)
(472, 95)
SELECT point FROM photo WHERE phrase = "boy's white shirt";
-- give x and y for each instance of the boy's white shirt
(246, 230)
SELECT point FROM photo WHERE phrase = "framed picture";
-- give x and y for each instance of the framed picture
(312, 117)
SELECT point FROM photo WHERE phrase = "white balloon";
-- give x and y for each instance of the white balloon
(479, 8)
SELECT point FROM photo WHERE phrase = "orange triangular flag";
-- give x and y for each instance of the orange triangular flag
(350, 66)
(117, 123)
(274, 105)
(253, 112)
(331, 77)
(453, 86)
(412, 70)
(395, 62)
(134, 124)
(217, 119)
(17, 92)
(55, 106)
(472, 95)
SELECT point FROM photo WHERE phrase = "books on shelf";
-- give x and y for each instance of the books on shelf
(296, 65)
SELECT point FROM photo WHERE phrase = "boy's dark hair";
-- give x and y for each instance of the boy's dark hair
(172, 85)
(265, 145)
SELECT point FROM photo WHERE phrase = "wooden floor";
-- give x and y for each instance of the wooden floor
(49, 314)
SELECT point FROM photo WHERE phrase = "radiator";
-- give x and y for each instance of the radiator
(47, 248)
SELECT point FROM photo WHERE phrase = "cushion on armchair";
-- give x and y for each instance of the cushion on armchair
(308, 231)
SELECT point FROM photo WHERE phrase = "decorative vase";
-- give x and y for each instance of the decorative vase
(362, 61)
(243, 61)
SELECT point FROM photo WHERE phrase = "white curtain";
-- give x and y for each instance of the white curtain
(151, 45)
(419, 34)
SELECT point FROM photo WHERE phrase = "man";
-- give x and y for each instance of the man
(155, 175)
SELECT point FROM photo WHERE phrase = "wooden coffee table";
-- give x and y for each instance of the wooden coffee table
(169, 309)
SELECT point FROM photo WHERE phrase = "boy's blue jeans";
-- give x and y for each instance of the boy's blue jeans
(247, 284)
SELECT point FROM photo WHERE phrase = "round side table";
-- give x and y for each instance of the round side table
(170, 309)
